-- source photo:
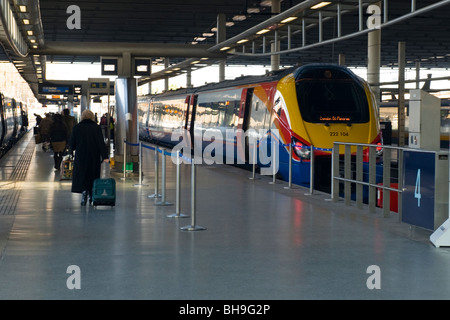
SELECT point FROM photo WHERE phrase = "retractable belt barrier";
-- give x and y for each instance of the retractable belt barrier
(193, 226)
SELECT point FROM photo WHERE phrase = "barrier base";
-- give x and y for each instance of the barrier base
(155, 195)
(193, 228)
(177, 215)
(163, 203)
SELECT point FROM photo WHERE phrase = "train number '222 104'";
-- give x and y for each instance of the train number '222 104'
(338, 134)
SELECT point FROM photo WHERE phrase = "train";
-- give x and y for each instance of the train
(389, 119)
(308, 107)
(13, 122)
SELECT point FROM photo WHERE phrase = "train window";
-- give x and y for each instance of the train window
(332, 101)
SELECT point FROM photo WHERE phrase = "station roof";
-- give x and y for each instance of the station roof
(168, 27)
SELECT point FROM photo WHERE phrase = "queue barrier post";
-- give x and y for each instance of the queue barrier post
(290, 167)
(193, 226)
(140, 167)
(163, 201)
(177, 213)
(255, 160)
(274, 160)
(311, 172)
(156, 194)
(124, 159)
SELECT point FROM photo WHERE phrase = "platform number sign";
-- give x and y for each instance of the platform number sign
(419, 190)
(417, 193)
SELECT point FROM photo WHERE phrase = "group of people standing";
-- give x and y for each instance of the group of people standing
(85, 139)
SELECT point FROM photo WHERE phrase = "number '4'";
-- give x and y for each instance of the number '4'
(417, 194)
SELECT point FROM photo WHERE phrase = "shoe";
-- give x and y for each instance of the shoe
(83, 198)
(90, 198)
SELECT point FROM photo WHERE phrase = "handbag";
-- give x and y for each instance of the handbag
(37, 138)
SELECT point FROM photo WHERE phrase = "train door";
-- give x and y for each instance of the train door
(2, 120)
(190, 115)
(243, 124)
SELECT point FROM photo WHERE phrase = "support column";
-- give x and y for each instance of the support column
(275, 45)
(220, 37)
(126, 126)
(85, 97)
(374, 61)
(189, 78)
(341, 59)
(166, 79)
(401, 94)
(417, 74)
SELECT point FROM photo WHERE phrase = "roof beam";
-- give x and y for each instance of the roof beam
(118, 48)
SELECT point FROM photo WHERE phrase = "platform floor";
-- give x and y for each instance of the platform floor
(261, 241)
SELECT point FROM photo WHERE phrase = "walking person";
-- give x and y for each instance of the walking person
(44, 130)
(90, 151)
(69, 120)
(59, 135)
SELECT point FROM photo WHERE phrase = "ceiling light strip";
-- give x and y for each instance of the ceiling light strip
(11, 30)
(266, 24)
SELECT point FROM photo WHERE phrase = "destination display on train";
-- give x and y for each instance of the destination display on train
(334, 118)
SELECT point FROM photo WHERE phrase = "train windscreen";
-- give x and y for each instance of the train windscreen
(331, 96)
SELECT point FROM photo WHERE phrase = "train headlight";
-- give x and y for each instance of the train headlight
(301, 150)
(379, 150)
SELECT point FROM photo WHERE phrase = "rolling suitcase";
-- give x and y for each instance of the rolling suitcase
(104, 192)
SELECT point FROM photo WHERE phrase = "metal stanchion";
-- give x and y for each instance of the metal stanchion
(156, 194)
(290, 166)
(193, 226)
(274, 160)
(163, 201)
(311, 173)
(255, 160)
(177, 213)
(124, 159)
(140, 166)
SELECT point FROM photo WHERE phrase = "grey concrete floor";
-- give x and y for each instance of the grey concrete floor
(261, 241)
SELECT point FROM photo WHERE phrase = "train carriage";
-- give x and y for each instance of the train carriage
(311, 105)
(13, 121)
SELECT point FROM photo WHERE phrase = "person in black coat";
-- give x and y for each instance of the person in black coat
(90, 150)
(58, 138)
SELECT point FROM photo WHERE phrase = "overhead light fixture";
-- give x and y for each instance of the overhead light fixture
(195, 62)
(214, 29)
(266, 3)
(253, 10)
(320, 5)
(23, 8)
(263, 31)
(26, 21)
(229, 23)
(239, 17)
(199, 39)
(32, 41)
(30, 32)
(242, 41)
(225, 48)
(289, 19)
(208, 34)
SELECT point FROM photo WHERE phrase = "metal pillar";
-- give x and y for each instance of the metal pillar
(126, 109)
(401, 94)
(374, 59)
(166, 79)
(221, 36)
(275, 45)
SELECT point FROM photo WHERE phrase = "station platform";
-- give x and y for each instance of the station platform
(261, 242)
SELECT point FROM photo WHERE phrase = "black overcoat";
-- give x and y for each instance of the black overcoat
(90, 150)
